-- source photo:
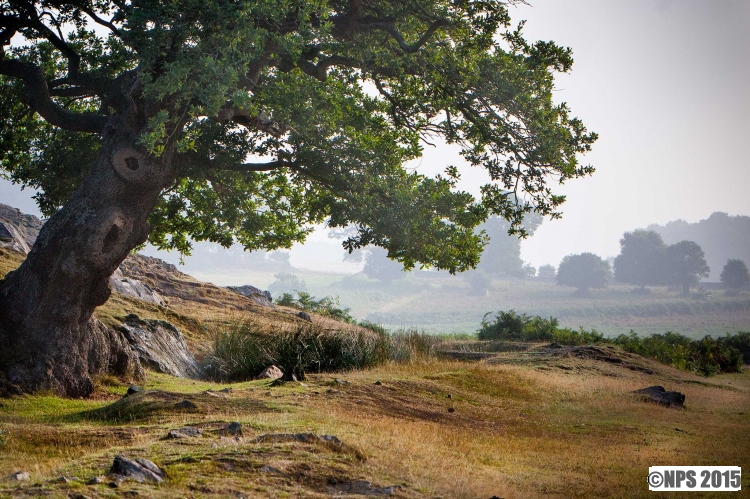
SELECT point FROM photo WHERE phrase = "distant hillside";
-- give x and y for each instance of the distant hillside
(721, 236)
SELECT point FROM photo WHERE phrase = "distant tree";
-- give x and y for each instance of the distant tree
(641, 258)
(685, 264)
(584, 271)
(286, 283)
(281, 257)
(547, 272)
(735, 275)
(502, 255)
(478, 283)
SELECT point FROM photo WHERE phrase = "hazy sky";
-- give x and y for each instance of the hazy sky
(665, 84)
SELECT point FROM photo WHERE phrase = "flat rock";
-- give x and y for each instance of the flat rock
(140, 470)
(234, 429)
(19, 476)
(161, 347)
(133, 389)
(310, 438)
(362, 487)
(185, 432)
(661, 396)
(186, 404)
(133, 287)
(270, 372)
(257, 295)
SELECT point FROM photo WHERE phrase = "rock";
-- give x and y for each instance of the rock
(96, 480)
(270, 469)
(361, 488)
(18, 231)
(554, 345)
(270, 372)
(140, 470)
(19, 476)
(310, 438)
(304, 316)
(260, 297)
(451, 409)
(378, 383)
(661, 396)
(133, 389)
(161, 347)
(185, 432)
(135, 288)
(234, 429)
(186, 404)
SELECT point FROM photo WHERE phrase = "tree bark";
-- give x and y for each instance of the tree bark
(48, 337)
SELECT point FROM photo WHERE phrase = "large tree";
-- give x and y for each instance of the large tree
(583, 271)
(250, 121)
(735, 275)
(685, 265)
(641, 259)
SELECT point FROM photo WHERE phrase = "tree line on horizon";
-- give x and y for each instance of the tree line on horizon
(645, 260)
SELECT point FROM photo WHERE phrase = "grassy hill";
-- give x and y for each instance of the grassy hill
(534, 423)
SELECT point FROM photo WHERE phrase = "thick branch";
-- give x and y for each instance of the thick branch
(253, 167)
(102, 22)
(39, 99)
(396, 34)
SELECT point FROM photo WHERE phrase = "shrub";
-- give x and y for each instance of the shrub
(707, 356)
(328, 305)
(512, 326)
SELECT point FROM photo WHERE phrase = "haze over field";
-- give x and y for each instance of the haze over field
(663, 83)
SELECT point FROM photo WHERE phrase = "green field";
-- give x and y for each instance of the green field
(441, 303)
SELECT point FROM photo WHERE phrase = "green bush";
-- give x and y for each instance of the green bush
(707, 356)
(328, 305)
(510, 326)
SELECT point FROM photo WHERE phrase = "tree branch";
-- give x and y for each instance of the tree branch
(39, 99)
(102, 22)
(389, 28)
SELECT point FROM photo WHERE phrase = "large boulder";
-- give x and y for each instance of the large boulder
(135, 288)
(258, 296)
(663, 397)
(161, 347)
(18, 231)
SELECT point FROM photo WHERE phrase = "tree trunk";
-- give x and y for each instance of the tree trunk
(48, 337)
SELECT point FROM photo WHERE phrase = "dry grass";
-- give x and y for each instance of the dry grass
(518, 430)
(525, 424)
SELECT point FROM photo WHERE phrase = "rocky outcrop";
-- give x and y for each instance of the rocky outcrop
(140, 470)
(258, 296)
(661, 396)
(18, 231)
(135, 288)
(161, 347)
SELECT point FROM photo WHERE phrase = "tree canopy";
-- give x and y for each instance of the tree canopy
(280, 114)
(583, 271)
(641, 258)
(735, 275)
(685, 264)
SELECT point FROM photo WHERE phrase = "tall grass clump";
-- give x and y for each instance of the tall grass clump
(242, 353)
(511, 326)
(409, 344)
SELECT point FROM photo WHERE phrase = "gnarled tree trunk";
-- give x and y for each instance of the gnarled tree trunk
(48, 337)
